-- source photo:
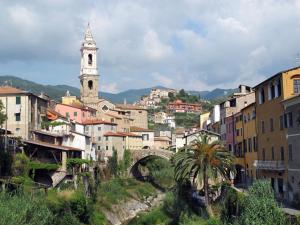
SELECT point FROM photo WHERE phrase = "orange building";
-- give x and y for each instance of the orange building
(179, 106)
(272, 123)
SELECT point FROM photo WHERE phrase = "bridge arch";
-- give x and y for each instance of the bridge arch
(143, 154)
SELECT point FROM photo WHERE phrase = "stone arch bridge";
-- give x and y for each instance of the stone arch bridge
(142, 154)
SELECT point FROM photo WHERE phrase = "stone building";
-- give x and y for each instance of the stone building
(25, 111)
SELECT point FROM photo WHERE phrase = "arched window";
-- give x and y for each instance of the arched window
(90, 84)
(90, 59)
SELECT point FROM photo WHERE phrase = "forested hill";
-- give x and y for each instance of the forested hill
(132, 95)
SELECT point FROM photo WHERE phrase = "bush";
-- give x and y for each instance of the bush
(20, 209)
(260, 207)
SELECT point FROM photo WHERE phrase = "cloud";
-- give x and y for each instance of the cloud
(111, 88)
(193, 44)
(162, 80)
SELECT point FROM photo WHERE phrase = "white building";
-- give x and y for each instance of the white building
(147, 136)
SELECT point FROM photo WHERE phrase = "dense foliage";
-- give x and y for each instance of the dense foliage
(260, 206)
(203, 159)
(187, 120)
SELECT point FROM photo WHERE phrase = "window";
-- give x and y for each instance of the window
(90, 84)
(290, 119)
(264, 154)
(249, 145)
(99, 138)
(106, 138)
(245, 145)
(281, 122)
(282, 153)
(254, 144)
(145, 137)
(261, 96)
(98, 147)
(290, 153)
(18, 116)
(271, 125)
(263, 127)
(105, 108)
(99, 128)
(75, 114)
(106, 147)
(18, 100)
(90, 59)
(279, 87)
(296, 86)
(273, 154)
(67, 114)
(18, 130)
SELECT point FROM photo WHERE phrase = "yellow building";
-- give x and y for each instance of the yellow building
(204, 117)
(249, 141)
(271, 127)
(238, 147)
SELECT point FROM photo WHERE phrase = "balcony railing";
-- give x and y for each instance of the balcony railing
(269, 165)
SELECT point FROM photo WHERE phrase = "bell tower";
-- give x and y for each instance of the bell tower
(89, 76)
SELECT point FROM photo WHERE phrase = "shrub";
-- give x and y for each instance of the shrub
(260, 207)
(20, 209)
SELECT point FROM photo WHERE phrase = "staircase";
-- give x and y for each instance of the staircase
(57, 177)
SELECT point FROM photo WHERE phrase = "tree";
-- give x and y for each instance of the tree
(3, 116)
(260, 206)
(113, 164)
(203, 159)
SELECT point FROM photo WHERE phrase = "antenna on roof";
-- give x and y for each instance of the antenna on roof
(125, 101)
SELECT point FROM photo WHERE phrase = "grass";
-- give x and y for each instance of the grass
(119, 190)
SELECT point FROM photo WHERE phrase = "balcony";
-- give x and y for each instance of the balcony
(269, 165)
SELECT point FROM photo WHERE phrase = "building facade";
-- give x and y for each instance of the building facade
(272, 123)
(292, 112)
(25, 111)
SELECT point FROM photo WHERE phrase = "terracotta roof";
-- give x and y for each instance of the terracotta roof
(162, 139)
(97, 121)
(129, 107)
(179, 102)
(121, 134)
(79, 106)
(53, 146)
(11, 90)
(139, 129)
(114, 116)
(52, 114)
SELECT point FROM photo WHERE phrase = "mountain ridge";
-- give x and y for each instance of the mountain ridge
(131, 95)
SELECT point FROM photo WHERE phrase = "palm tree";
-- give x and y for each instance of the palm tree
(203, 159)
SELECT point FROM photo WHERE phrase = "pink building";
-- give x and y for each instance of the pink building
(76, 112)
(230, 131)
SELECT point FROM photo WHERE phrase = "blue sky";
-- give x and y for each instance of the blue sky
(191, 44)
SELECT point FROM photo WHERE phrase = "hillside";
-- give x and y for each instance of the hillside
(132, 95)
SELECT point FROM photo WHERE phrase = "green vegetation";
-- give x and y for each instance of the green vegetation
(118, 190)
(23, 209)
(187, 120)
(47, 124)
(184, 97)
(161, 172)
(3, 116)
(34, 165)
(260, 206)
(202, 160)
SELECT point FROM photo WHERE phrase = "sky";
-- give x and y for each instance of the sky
(191, 44)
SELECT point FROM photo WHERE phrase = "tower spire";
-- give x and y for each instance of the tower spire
(88, 34)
